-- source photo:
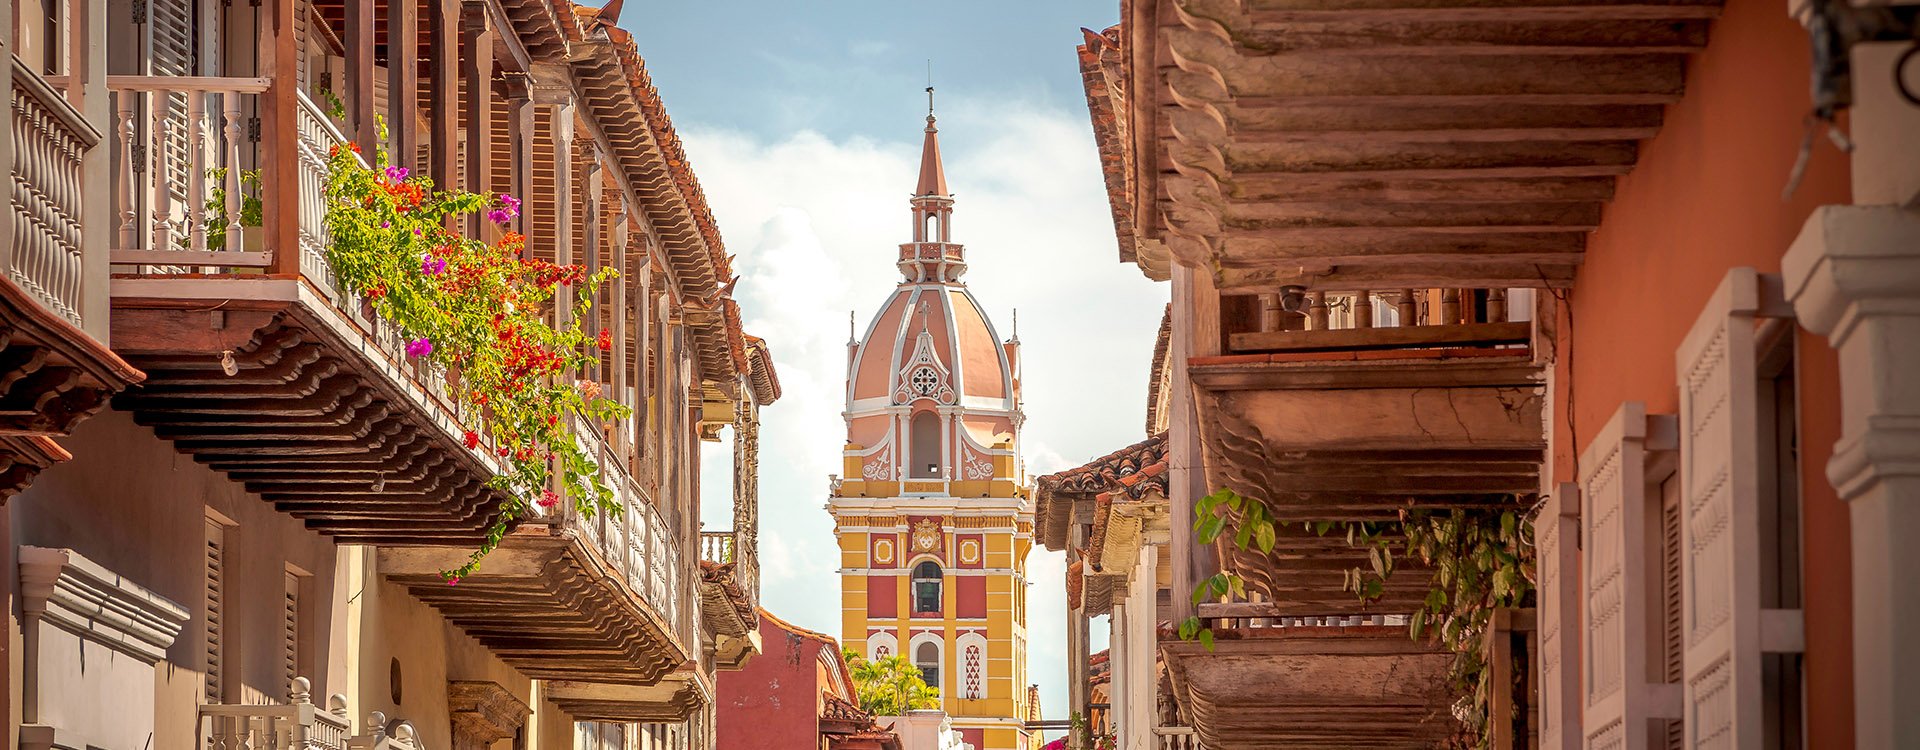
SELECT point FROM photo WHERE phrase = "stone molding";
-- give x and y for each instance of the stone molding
(483, 712)
(75, 594)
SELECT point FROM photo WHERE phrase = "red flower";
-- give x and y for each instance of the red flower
(606, 339)
(501, 451)
(471, 439)
(548, 499)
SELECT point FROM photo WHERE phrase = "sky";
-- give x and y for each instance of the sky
(803, 123)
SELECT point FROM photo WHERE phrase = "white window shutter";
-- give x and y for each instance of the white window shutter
(1556, 536)
(1614, 654)
(1720, 529)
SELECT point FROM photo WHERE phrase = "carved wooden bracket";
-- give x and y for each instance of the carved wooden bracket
(483, 713)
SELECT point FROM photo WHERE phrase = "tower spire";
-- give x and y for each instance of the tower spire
(933, 177)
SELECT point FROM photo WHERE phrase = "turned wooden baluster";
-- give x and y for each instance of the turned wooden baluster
(196, 171)
(128, 205)
(1269, 312)
(1496, 306)
(1317, 309)
(231, 157)
(1363, 308)
(161, 216)
(1449, 306)
(1404, 308)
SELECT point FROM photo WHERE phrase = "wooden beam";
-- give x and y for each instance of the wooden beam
(280, 152)
(360, 91)
(476, 69)
(444, 114)
(403, 80)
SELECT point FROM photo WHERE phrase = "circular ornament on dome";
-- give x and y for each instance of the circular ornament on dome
(924, 380)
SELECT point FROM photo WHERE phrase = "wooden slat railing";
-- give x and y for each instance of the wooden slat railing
(1373, 319)
(50, 142)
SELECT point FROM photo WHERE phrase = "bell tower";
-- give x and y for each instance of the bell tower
(932, 511)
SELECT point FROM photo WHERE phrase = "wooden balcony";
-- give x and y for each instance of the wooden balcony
(728, 607)
(54, 371)
(1334, 143)
(263, 367)
(585, 599)
(1319, 686)
(675, 697)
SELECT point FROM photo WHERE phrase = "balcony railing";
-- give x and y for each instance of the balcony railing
(636, 541)
(294, 725)
(724, 547)
(182, 150)
(50, 142)
(1176, 738)
(1372, 319)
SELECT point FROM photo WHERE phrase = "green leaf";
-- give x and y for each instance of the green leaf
(1243, 537)
(1265, 538)
(1417, 623)
(1206, 638)
(1237, 587)
(1379, 562)
(1320, 527)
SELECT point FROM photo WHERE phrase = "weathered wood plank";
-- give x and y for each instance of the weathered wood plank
(1484, 334)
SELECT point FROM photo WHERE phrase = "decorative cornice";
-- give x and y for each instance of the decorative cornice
(483, 712)
(75, 594)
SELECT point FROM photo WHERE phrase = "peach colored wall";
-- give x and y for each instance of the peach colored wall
(132, 504)
(1706, 197)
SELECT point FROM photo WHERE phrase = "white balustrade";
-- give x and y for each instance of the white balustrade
(317, 139)
(50, 142)
(1177, 738)
(635, 539)
(294, 725)
(183, 148)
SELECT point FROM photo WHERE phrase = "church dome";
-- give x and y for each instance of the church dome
(931, 365)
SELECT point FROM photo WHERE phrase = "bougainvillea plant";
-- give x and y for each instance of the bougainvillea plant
(483, 312)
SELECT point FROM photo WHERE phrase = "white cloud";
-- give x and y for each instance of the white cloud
(815, 224)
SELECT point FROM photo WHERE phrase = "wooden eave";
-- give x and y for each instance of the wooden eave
(675, 697)
(1313, 687)
(322, 418)
(549, 605)
(1345, 144)
(725, 608)
(52, 376)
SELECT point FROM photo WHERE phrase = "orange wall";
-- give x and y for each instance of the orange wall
(1705, 198)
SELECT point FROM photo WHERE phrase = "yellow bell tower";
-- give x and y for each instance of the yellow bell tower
(933, 515)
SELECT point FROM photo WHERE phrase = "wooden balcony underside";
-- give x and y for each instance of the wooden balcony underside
(674, 698)
(316, 419)
(1342, 144)
(547, 605)
(1314, 687)
(1343, 439)
(729, 614)
(52, 376)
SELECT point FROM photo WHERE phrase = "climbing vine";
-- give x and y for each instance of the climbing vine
(1481, 559)
(481, 311)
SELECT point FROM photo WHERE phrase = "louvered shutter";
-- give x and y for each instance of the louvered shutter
(1614, 654)
(168, 35)
(1720, 530)
(290, 629)
(1555, 535)
(1672, 738)
(215, 602)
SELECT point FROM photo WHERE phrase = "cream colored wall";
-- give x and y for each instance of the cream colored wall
(130, 503)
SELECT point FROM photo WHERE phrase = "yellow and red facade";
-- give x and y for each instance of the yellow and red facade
(933, 517)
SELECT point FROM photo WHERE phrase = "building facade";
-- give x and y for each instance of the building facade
(932, 514)
(246, 541)
(1597, 269)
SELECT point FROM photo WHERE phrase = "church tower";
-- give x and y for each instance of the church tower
(932, 514)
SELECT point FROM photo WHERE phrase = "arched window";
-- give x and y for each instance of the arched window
(925, 463)
(926, 587)
(932, 228)
(926, 656)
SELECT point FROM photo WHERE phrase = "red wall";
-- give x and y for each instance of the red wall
(883, 597)
(775, 700)
(1706, 197)
(971, 597)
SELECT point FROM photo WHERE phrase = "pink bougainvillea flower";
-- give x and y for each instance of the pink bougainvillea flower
(396, 174)
(509, 208)
(419, 347)
(453, 580)
(548, 499)
(433, 266)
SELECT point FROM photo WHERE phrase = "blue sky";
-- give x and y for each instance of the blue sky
(803, 122)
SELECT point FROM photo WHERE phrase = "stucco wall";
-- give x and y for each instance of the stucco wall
(775, 700)
(1706, 197)
(130, 503)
